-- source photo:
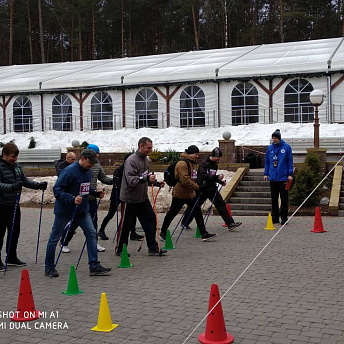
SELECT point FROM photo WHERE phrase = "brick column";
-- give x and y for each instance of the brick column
(228, 150)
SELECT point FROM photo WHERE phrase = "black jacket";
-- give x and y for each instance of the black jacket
(206, 175)
(10, 174)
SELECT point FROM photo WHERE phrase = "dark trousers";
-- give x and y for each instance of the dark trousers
(219, 204)
(176, 205)
(6, 214)
(111, 213)
(144, 212)
(278, 189)
(67, 237)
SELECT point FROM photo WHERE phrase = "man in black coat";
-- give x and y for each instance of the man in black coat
(207, 178)
(12, 179)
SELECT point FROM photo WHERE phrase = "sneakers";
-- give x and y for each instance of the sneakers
(162, 236)
(102, 235)
(207, 236)
(233, 225)
(135, 236)
(2, 266)
(283, 222)
(100, 248)
(188, 228)
(16, 262)
(156, 252)
(119, 254)
(99, 270)
(51, 273)
(65, 249)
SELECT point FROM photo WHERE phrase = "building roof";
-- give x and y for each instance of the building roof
(258, 61)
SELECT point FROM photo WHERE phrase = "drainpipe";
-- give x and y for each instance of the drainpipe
(218, 98)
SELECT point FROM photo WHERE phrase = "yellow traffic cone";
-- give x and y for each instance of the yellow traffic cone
(104, 318)
(270, 225)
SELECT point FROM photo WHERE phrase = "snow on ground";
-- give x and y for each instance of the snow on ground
(178, 139)
(125, 140)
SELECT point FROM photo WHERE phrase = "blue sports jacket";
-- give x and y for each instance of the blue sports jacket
(281, 153)
(67, 187)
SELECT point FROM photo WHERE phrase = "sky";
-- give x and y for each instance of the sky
(125, 140)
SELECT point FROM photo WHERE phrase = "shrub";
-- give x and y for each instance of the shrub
(171, 156)
(155, 155)
(32, 143)
(306, 179)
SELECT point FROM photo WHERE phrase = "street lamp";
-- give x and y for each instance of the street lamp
(316, 97)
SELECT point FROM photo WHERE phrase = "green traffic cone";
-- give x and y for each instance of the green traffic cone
(73, 287)
(198, 233)
(168, 242)
(125, 263)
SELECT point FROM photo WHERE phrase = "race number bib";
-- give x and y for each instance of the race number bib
(84, 189)
(194, 174)
(212, 172)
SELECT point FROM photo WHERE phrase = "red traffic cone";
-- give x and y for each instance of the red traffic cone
(26, 306)
(215, 331)
(229, 212)
(318, 225)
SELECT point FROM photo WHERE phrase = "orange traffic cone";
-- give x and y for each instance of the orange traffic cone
(229, 212)
(26, 306)
(318, 225)
(215, 331)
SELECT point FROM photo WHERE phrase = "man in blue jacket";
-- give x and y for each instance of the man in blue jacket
(71, 191)
(278, 170)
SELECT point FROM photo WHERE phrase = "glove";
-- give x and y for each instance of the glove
(42, 186)
(17, 186)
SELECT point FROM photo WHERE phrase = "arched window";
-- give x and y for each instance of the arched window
(101, 111)
(297, 106)
(62, 113)
(22, 115)
(192, 107)
(244, 104)
(146, 109)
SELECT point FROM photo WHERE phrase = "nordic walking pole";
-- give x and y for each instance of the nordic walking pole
(156, 218)
(206, 217)
(68, 226)
(181, 218)
(193, 208)
(83, 247)
(13, 220)
(39, 225)
(117, 226)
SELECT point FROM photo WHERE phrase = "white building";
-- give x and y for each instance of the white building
(262, 83)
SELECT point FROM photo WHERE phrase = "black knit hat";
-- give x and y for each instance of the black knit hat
(277, 134)
(192, 150)
(216, 152)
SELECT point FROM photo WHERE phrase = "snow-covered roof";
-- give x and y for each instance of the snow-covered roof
(251, 61)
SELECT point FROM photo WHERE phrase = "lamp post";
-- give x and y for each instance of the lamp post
(316, 97)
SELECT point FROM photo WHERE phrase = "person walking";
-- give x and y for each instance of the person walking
(207, 179)
(133, 194)
(278, 170)
(71, 190)
(98, 173)
(61, 164)
(12, 179)
(114, 203)
(184, 193)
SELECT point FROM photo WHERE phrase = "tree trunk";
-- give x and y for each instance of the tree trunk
(29, 29)
(80, 38)
(122, 28)
(195, 28)
(10, 48)
(93, 35)
(72, 41)
(41, 30)
(282, 20)
(61, 48)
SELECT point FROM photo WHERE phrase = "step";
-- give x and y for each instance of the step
(250, 213)
(340, 213)
(253, 178)
(252, 194)
(246, 206)
(253, 189)
(341, 206)
(254, 183)
(250, 200)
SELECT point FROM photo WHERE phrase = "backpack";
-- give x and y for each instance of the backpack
(169, 176)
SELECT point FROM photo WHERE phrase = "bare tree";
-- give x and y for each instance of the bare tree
(10, 52)
(40, 20)
(29, 29)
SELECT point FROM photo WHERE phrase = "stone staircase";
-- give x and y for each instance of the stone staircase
(252, 195)
(341, 200)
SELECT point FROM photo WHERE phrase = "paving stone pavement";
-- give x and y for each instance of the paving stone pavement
(292, 294)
